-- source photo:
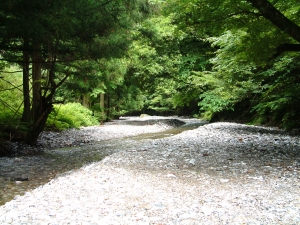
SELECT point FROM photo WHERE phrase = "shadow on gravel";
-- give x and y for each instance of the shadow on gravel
(38, 169)
(243, 149)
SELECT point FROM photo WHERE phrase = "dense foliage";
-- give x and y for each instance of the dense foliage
(220, 60)
(70, 115)
(52, 41)
(255, 67)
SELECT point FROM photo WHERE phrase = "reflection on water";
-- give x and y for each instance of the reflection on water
(41, 168)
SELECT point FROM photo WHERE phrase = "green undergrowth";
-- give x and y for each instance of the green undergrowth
(70, 115)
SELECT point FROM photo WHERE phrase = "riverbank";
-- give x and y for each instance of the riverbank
(125, 127)
(220, 173)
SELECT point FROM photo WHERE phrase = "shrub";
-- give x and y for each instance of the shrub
(70, 115)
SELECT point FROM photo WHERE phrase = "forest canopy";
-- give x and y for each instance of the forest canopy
(217, 60)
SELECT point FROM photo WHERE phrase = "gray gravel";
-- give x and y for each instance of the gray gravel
(220, 173)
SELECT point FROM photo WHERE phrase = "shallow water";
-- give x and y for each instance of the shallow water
(41, 168)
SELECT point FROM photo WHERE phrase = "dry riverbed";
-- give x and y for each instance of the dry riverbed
(219, 173)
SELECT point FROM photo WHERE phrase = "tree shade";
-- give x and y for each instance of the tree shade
(49, 36)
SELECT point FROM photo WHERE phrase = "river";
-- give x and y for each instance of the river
(21, 174)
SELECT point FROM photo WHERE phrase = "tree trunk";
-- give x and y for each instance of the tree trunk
(42, 103)
(118, 104)
(39, 125)
(86, 101)
(26, 90)
(277, 18)
(107, 107)
(102, 106)
(36, 83)
(40, 106)
(5, 150)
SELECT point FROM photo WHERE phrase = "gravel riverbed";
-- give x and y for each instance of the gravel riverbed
(219, 173)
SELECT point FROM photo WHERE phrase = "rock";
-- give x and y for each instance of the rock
(224, 180)
(207, 210)
(159, 186)
(171, 175)
(192, 161)
(251, 171)
(144, 115)
(20, 179)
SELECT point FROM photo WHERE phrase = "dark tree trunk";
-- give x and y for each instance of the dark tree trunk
(277, 18)
(26, 90)
(40, 122)
(107, 107)
(36, 82)
(42, 104)
(5, 150)
(102, 106)
(39, 113)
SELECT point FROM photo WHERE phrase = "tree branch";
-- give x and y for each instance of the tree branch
(286, 48)
(14, 87)
(277, 18)
(18, 71)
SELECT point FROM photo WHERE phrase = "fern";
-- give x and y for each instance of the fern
(71, 115)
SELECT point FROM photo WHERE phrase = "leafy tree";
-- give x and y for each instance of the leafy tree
(91, 80)
(50, 36)
(279, 103)
(254, 41)
(163, 59)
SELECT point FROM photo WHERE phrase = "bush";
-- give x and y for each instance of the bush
(70, 115)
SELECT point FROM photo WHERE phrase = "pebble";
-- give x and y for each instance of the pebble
(171, 175)
(134, 187)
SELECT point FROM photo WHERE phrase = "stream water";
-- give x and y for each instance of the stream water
(21, 174)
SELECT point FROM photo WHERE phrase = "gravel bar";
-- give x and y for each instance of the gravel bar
(219, 173)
